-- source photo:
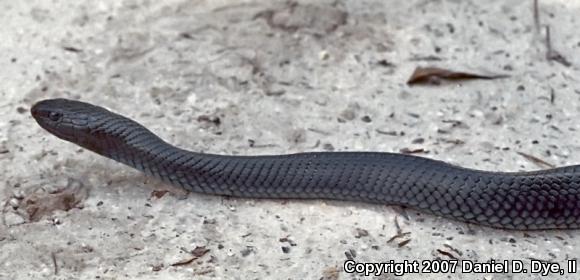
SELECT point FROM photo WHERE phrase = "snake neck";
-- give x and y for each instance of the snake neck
(126, 141)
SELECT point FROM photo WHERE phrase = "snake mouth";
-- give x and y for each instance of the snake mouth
(40, 114)
(36, 110)
(46, 111)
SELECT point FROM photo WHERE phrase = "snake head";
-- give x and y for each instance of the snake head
(67, 119)
(89, 126)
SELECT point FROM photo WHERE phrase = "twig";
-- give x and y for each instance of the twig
(453, 249)
(398, 235)
(536, 16)
(403, 243)
(391, 133)
(399, 231)
(554, 55)
(548, 43)
(445, 253)
(53, 255)
(319, 131)
(536, 160)
(185, 262)
(412, 151)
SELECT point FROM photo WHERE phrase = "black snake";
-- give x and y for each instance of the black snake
(547, 199)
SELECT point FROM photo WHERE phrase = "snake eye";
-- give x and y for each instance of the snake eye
(54, 116)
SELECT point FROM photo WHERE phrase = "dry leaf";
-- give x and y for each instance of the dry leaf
(44, 202)
(434, 75)
(197, 253)
(158, 193)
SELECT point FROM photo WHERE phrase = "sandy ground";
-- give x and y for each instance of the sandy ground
(263, 77)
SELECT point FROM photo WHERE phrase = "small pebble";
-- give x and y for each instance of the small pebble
(418, 141)
(328, 147)
(14, 202)
(18, 194)
(246, 252)
(361, 233)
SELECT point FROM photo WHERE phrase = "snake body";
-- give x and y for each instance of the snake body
(547, 199)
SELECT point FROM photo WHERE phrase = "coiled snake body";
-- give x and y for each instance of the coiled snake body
(547, 199)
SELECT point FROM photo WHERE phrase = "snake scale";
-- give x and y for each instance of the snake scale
(547, 199)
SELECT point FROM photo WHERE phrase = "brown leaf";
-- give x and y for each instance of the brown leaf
(196, 253)
(434, 75)
(43, 203)
(199, 251)
(158, 194)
